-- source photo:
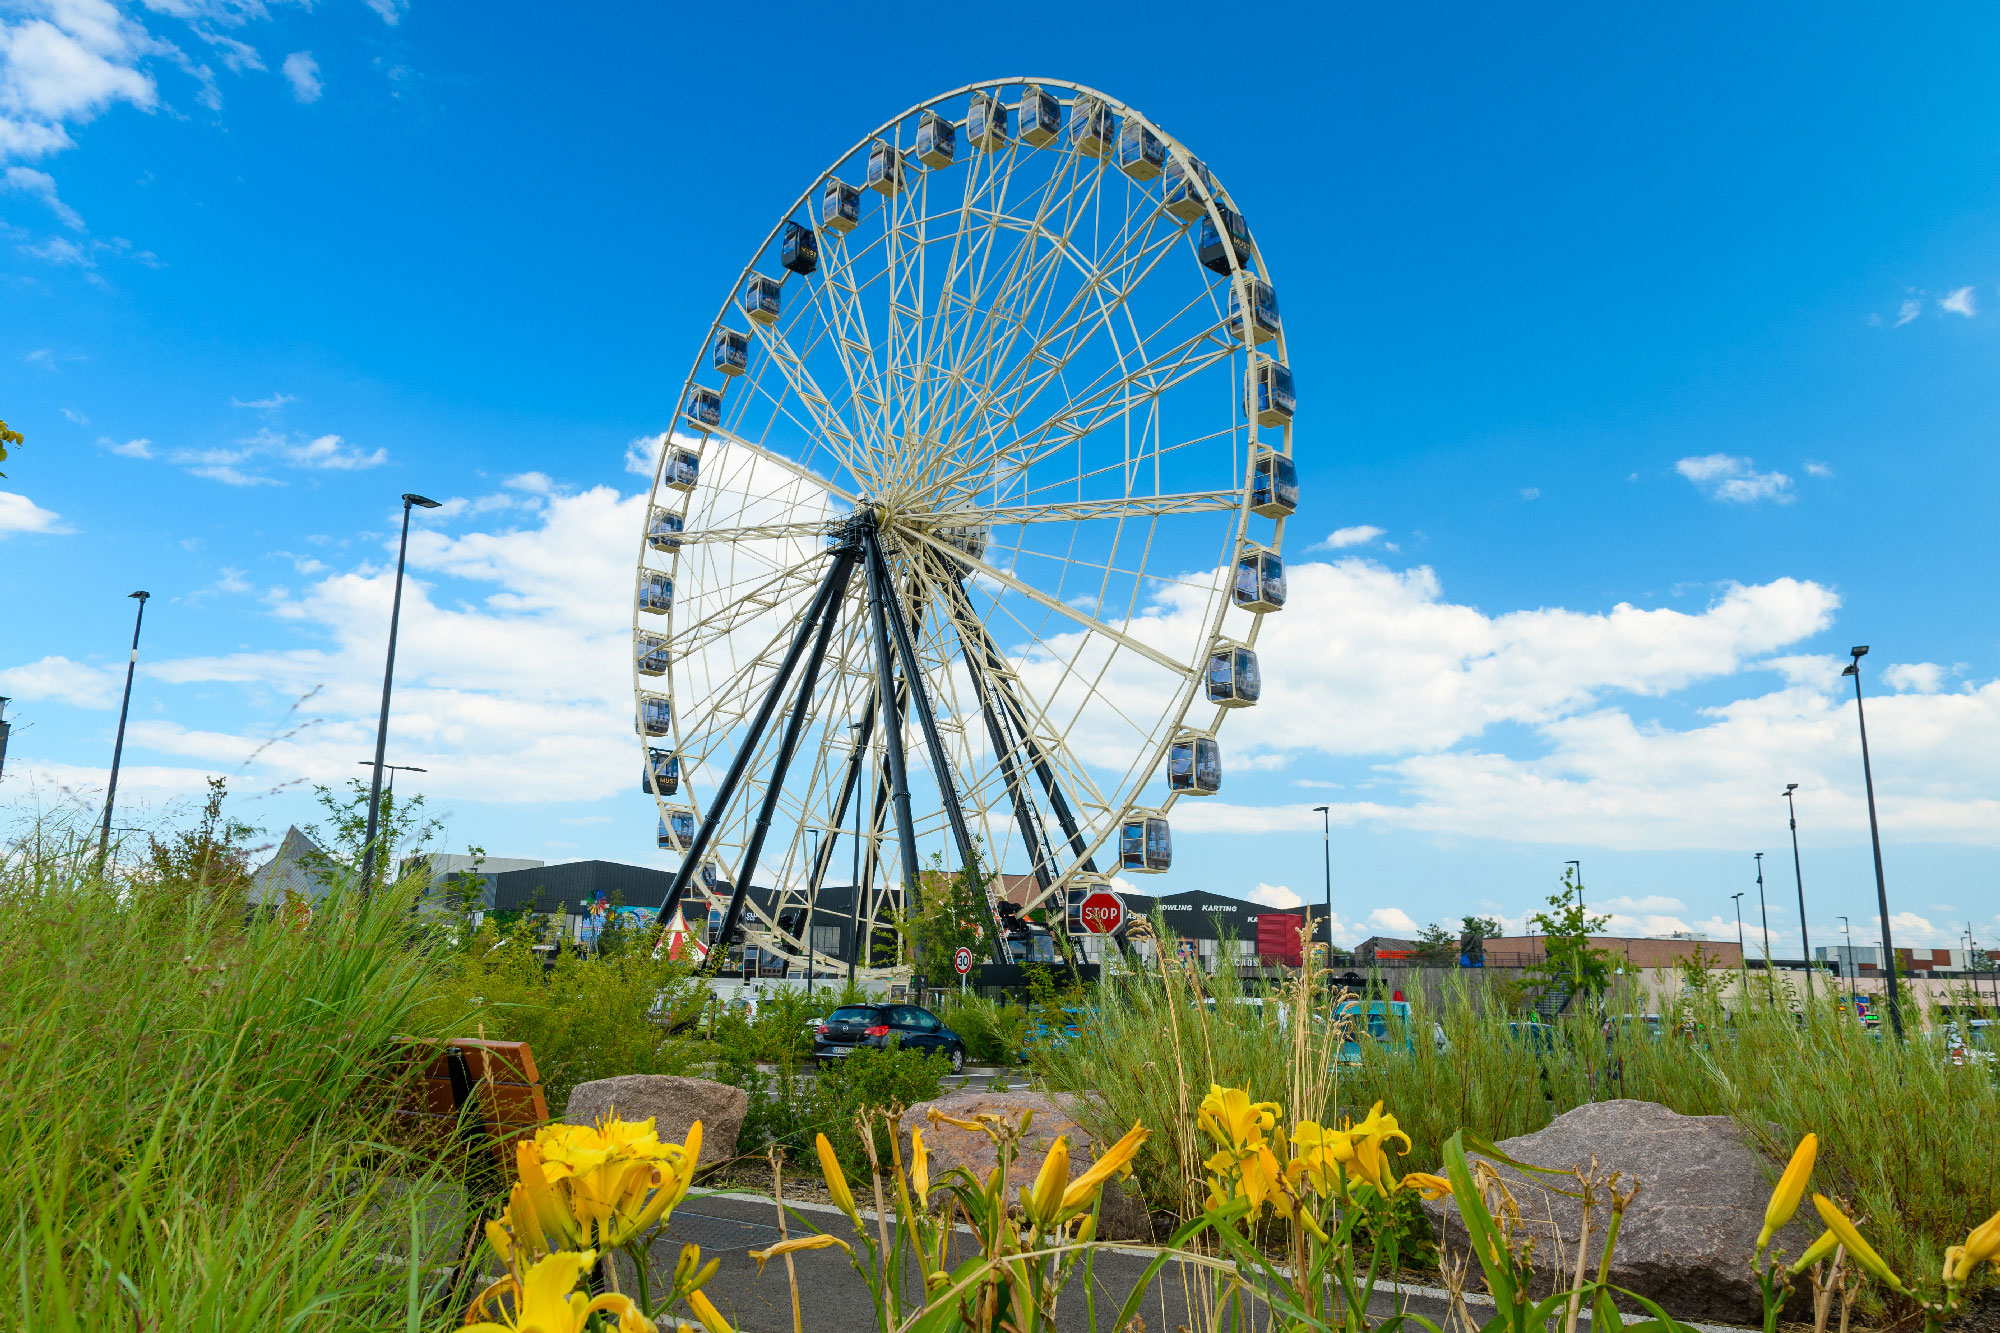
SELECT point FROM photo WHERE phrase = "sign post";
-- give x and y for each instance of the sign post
(962, 960)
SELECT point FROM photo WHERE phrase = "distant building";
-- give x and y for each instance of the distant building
(1633, 951)
(297, 869)
(1866, 960)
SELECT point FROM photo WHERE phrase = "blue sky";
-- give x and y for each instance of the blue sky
(1589, 307)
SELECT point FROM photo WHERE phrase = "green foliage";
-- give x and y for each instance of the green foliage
(8, 436)
(402, 827)
(994, 1033)
(789, 1108)
(1567, 929)
(584, 1017)
(210, 860)
(952, 913)
(190, 1117)
(1436, 945)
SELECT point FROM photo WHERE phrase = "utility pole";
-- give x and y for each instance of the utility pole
(118, 748)
(1770, 986)
(1875, 838)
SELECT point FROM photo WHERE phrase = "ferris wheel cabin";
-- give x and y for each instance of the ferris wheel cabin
(760, 298)
(664, 532)
(1145, 843)
(937, 141)
(662, 775)
(683, 470)
(1274, 484)
(1092, 129)
(677, 828)
(986, 122)
(704, 407)
(1213, 251)
(711, 875)
(839, 206)
(1260, 579)
(656, 592)
(799, 252)
(1141, 155)
(732, 351)
(656, 714)
(1194, 764)
(1041, 116)
(650, 654)
(1233, 679)
(1272, 401)
(1264, 323)
(1185, 191)
(885, 169)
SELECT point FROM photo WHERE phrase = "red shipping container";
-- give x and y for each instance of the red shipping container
(1278, 937)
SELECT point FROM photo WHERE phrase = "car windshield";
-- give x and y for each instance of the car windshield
(852, 1013)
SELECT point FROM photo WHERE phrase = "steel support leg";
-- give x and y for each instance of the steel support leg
(892, 726)
(828, 607)
(1003, 752)
(724, 794)
(859, 736)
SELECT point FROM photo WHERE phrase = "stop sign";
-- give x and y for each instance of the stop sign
(1101, 913)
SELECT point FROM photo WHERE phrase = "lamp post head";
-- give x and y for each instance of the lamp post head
(1858, 653)
(1321, 809)
(142, 596)
(1791, 787)
(412, 498)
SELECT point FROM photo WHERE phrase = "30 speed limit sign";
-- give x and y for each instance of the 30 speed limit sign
(962, 960)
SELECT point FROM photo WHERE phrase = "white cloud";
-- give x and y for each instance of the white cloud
(59, 680)
(303, 72)
(264, 405)
(1531, 492)
(76, 416)
(20, 514)
(1344, 537)
(1274, 895)
(1923, 677)
(642, 455)
(67, 65)
(141, 448)
(1910, 308)
(1960, 302)
(1818, 470)
(331, 452)
(390, 11)
(43, 186)
(1393, 918)
(1732, 479)
(237, 465)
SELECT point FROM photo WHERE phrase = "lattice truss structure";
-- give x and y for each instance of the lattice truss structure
(974, 504)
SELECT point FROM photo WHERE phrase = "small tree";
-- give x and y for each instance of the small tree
(403, 826)
(1436, 945)
(211, 861)
(951, 913)
(8, 436)
(1567, 950)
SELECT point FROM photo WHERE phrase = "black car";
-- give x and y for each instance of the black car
(854, 1025)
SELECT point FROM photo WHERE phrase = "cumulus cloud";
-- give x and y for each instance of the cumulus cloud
(1908, 310)
(1273, 895)
(59, 680)
(43, 186)
(1340, 538)
(1733, 480)
(303, 73)
(20, 514)
(140, 448)
(1923, 677)
(1960, 302)
(241, 464)
(1818, 470)
(1393, 918)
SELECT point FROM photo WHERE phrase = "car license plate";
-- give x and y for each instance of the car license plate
(839, 1051)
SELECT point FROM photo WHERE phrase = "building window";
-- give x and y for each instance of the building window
(826, 940)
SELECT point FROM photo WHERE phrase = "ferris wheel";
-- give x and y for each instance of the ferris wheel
(971, 510)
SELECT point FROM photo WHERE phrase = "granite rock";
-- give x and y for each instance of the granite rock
(674, 1103)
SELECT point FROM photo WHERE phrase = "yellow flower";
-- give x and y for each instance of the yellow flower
(544, 1301)
(920, 1168)
(704, 1310)
(1430, 1186)
(1319, 1155)
(1863, 1253)
(1791, 1188)
(836, 1181)
(1818, 1250)
(1981, 1246)
(1044, 1199)
(1117, 1159)
(794, 1245)
(1233, 1120)
(1371, 1160)
(591, 1185)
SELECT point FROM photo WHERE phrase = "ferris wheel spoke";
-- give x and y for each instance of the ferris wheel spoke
(1034, 594)
(836, 296)
(1083, 511)
(825, 414)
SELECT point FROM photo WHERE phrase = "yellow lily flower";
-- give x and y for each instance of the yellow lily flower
(795, 1244)
(1841, 1225)
(1983, 1245)
(1815, 1252)
(1791, 1188)
(704, 1310)
(690, 1271)
(544, 1300)
(582, 1185)
(1319, 1155)
(1430, 1186)
(836, 1181)
(1045, 1198)
(1232, 1119)
(920, 1168)
(1117, 1159)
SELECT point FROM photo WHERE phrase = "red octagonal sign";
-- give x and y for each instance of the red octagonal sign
(1102, 913)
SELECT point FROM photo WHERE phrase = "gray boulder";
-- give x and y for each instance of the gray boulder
(672, 1102)
(1686, 1240)
(1121, 1212)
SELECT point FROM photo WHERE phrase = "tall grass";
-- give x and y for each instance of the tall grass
(186, 1137)
(1911, 1140)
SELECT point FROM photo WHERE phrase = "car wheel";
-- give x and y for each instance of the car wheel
(958, 1059)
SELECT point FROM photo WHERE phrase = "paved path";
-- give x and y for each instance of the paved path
(833, 1298)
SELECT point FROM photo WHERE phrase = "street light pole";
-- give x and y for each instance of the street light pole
(388, 678)
(1847, 966)
(1737, 898)
(1326, 847)
(1875, 838)
(118, 747)
(1805, 944)
(1770, 985)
